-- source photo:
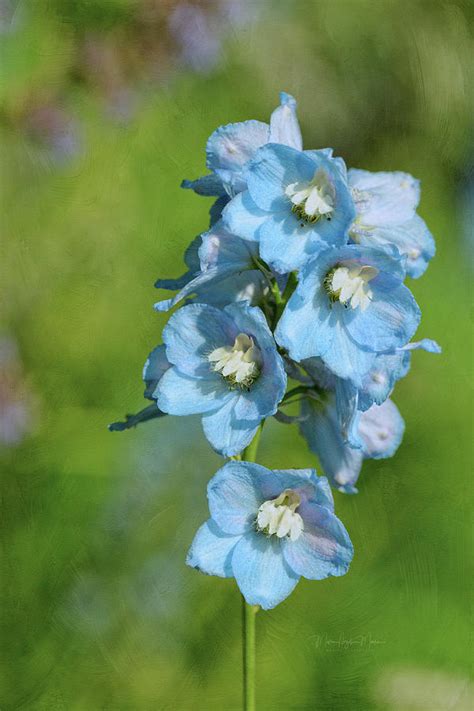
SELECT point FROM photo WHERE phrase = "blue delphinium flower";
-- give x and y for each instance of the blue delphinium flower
(386, 216)
(379, 429)
(230, 148)
(269, 528)
(349, 305)
(225, 366)
(296, 204)
(221, 269)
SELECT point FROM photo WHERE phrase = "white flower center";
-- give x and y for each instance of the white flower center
(278, 516)
(313, 200)
(350, 285)
(239, 364)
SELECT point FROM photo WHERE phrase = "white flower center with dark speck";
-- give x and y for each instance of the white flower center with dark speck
(314, 200)
(350, 285)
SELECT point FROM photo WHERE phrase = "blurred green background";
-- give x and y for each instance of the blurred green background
(106, 106)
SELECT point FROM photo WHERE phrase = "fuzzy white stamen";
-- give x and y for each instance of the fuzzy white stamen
(313, 200)
(240, 364)
(278, 516)
(350, 285)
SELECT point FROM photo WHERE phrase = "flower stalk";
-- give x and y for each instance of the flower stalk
(249, 612)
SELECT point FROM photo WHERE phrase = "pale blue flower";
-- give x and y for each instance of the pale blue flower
(269, 528)
(386, 216)
(349, 305)
(375, 388)
(297, 204)
(231, 147)
(379, 429)
(225, 367)
(221, 270)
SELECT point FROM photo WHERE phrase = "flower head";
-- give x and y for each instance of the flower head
(225, 366)
(297, 203)
(221, 270)
(386, 217)
(350, 305)
(269, 528)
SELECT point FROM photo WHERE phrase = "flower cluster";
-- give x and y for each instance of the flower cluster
(300, 277)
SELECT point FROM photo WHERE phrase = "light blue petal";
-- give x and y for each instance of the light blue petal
(230, 147)
(220, 255)
(337, 162)
(211, 276)
(326, 152)
(381, 430)
(273, 168)
(252, 321)
(412, 239)
(388, 262)
(192, 333)
(284, 126)
(344, 357)
(321, 429)
(389, 321)
(248, 286)
(384, 198)
(381, 378)
(303, 481)
(242, 217)
(224, 250)
(323, 549)
(211, 551)
(426, 344)
(207, 185)
(261, 572)
(179, 394)
(286, 244)
(305, 327)
(309, 486)
(155, 365)
(227, 434)
(347, 400)
(235, 495)
(324, 495)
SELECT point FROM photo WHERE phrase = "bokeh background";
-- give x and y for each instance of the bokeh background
(105, 106)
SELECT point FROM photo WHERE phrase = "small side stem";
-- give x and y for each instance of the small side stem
(249, 611)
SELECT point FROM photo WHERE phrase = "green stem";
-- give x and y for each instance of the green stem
(248, 648)
(289, 289)
(249, 611)
(250, 453)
